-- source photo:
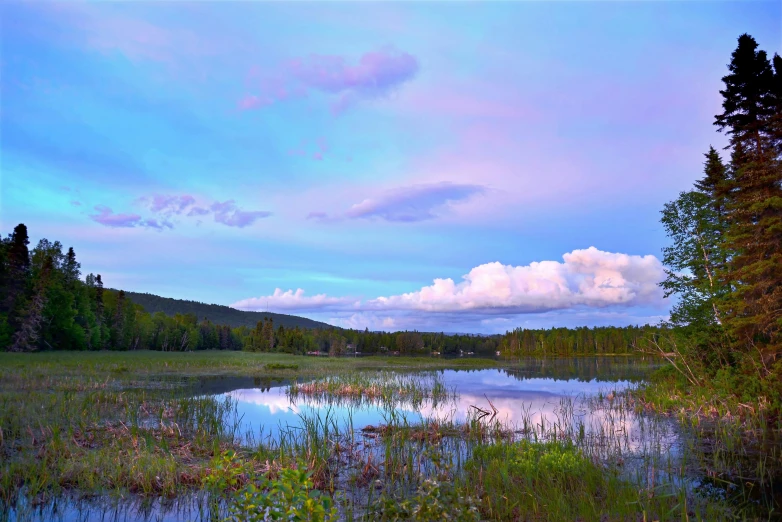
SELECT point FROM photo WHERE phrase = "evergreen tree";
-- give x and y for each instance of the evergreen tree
(748, 99)
(17, 274)
(71, 268)
(27, 335)
(776, 120)
(754, 209)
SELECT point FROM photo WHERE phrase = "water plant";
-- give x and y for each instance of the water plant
(283, 494)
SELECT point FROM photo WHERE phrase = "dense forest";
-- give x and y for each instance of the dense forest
(218, 314)
(46, 305)
(725, 263)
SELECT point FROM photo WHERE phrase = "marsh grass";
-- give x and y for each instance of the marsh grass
(130, 426)
(385, 388)
(734, 446)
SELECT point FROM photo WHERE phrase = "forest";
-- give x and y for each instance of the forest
(48, 306)
(724, 265)
(219, 314)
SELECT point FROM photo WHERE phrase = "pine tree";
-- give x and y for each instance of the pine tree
(71, 268)
(715, 182)
(751, 102)
(17, 272)
(776, 119)
(27, 334)
(99, 313)
(748, 99)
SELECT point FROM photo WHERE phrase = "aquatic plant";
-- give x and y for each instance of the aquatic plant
(284, 494)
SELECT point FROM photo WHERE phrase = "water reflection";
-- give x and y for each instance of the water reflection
(520, 403)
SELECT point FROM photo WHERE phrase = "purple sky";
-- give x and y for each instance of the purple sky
(450, 166)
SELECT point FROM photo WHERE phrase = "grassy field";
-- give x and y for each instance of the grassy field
(15, 368)
(128, 425)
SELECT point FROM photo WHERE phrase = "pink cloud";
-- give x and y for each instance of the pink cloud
(167, 205)
(153, 223)
(198, 211)
(228, 214)
(107, 218)
(377, 74)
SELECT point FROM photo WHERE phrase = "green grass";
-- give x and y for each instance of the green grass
(142, 364)
(386, 388)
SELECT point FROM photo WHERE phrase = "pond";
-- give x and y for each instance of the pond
(511, 399)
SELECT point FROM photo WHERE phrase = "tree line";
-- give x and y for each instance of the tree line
(725, 263)
(46, 305)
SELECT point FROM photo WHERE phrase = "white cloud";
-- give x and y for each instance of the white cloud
(585, 281)
(290, 300)
(589, 277)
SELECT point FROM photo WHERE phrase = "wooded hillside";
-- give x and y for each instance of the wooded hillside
(218, 314)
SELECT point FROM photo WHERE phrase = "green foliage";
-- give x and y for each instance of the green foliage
(434, 500)
(577, 341)
(218, 314)
(289, 496)
(553, 479)
(725, 263)
(437, 498)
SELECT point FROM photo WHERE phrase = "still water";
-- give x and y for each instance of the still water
(264, 412)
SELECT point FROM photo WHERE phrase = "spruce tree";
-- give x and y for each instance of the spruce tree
(748, 99)
(99, 313)
(754, 208)
(17, 272)
(71, 267)
(27, 334)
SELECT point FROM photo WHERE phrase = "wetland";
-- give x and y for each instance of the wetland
(216, 435)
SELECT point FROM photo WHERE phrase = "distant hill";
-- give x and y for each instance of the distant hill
(218, 314)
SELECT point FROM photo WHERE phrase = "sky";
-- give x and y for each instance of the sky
(440, 166)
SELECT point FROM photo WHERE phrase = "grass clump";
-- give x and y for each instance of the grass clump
(280, 366)
(384, 387)
(546, 481)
